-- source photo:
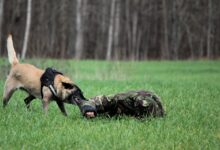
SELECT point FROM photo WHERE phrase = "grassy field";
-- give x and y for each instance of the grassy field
(190, 92)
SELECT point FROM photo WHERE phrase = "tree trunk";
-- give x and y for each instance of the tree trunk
(128, 29)
(174, 30)
(79, 30)
(117, 31)
(27, 29)
(209, 31)
(189, 39)
(63, 20)
(165, 53)
(111, 31)
(53, 27)
(101, 41)
(134, 33)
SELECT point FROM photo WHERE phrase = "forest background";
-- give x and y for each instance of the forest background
(112, 29)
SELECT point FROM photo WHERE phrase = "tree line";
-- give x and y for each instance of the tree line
(112, 29)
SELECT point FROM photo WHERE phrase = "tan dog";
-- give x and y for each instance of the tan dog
(28, 78)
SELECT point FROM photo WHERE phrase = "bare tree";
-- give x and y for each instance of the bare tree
(27, 30)
(111, 31)
(116, 41)
(64, 22)
(209, 30)
(165, 51)
(79, 29)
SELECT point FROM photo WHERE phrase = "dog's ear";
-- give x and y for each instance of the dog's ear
(67, 85)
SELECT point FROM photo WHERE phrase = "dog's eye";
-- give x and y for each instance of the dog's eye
(68, 85)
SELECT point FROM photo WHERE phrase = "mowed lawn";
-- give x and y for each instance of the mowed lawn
(190, 92)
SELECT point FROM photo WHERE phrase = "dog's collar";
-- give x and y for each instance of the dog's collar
(47, 79)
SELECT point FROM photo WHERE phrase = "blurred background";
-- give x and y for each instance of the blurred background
(112, 29)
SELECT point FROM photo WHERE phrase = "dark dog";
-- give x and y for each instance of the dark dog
(46, 85)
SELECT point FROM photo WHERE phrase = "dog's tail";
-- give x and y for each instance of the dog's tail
(11, 51)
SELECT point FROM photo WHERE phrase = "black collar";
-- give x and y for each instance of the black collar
(47, 79)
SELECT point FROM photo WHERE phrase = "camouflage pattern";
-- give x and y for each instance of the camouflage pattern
(133, 103)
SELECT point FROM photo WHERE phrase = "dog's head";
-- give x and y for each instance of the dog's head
(71, 93)
(67, 90)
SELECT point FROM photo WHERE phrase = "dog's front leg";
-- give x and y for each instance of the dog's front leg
(46, 98)
(45, 102)
(62, 108)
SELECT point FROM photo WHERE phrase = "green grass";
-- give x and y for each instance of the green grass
(190, 92)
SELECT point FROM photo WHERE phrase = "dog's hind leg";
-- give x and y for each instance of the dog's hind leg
(62, 108)
(9, 89)
(7, 96)
(28, 100)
